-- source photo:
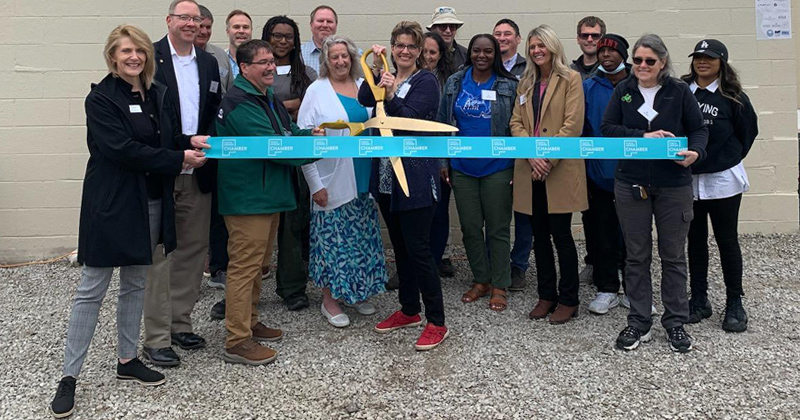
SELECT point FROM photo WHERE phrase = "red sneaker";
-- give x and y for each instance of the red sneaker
(431, 337)
(398, 320)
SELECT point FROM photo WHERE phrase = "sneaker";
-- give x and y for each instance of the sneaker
(626, 303)
(603, 302)
(431, 337)
(446, 268)
(735, 316)
(248, 352)
(262, 332)
(296, 303)
(699, 309)
(679, 340)
(398, 320)
(266, 273)
(135, 370)
(630, 337)
(206, 273)
(218, 310)
(585, 275)
(63, 404)
(217, 281)
(517, 280)
(393, 283)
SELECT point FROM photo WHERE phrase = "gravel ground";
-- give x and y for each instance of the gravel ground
(493, 366)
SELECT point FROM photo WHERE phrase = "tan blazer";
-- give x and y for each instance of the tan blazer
(561, 116)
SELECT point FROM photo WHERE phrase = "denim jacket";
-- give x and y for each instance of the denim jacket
(501, 110)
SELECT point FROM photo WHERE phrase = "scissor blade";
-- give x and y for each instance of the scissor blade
(409, 124)
(355, 128)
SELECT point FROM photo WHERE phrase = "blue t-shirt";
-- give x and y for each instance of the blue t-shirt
(473, 116)
(362, 166)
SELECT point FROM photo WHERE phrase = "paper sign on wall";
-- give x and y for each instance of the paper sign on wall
(774, 19)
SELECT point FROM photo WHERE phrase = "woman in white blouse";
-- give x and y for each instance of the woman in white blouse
(346, 258)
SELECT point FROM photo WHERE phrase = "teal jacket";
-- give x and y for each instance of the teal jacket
(255, 186)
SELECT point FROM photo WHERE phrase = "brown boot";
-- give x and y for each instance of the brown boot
(249, 352)
(542, 308)
(563, 314)
(263, 333)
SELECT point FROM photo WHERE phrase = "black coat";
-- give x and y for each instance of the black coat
(115, 222)
(210, 96)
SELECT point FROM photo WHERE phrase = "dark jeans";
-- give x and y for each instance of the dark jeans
(601, 225)
(217, 238)
(558, 227)
(440, 228)
(291, 276)
(409, 232)
(523, 242)
(588, 259)
(672, 209)
(724, 214)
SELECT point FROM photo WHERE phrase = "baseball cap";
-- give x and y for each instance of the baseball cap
(712, 48)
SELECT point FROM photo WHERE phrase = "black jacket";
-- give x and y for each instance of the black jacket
(677, 113)
(732, 129)
(115, 223)
(208, 70)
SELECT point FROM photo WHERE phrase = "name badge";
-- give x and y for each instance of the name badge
(488, 95)
(522, 99)
(648, 112)
(135, 109)
(214, 87)
(283, 70)
(403, 91)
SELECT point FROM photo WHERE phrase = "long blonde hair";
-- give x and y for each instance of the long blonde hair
(558, 62)
(140, 40)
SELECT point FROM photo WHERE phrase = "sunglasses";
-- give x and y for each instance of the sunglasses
(445, 26)
(585, 36)
(650, 61)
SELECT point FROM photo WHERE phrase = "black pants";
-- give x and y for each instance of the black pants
(600, 223)
(409, 232)
(440, 228)
(724, 215)
(559, 227)
(291, 276)
(217, 238)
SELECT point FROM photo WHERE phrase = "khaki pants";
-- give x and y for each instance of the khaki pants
(173, 283)
(273, 234)
(248, 240)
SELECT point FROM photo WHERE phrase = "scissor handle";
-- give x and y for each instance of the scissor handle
(378, 92)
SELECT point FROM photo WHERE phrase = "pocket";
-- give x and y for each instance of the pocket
(688, 216)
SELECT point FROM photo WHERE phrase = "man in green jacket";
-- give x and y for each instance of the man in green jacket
(252, 194)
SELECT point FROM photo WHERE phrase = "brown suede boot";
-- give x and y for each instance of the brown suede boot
(542, 308)
(563, 314)
(249, 352)
(263, 333)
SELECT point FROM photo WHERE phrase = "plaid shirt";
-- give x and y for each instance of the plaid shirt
(311, 55)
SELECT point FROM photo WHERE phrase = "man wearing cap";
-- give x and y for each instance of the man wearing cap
(600, 222)
(446, 23)
(590, 30)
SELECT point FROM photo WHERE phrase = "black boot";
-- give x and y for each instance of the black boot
(735, 316)
(699, 309)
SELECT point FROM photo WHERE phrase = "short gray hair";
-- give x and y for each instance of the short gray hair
(655, 43)
(355, 66)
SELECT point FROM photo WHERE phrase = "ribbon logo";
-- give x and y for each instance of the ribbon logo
(229, 147)
(321, 147)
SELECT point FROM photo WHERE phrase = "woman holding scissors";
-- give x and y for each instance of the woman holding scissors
(411, 92)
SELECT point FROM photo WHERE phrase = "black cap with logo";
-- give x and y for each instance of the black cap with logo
(712, 48)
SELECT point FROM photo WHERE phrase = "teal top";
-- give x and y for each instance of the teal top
(362, 166)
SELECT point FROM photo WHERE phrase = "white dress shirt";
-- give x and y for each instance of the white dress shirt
(188, 77)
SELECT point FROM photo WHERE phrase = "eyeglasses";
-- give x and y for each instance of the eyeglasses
(280, 37)
(585, 36)
(650, 61)
(445, 26)
(186, 18)
(263, 63)
(411, 47)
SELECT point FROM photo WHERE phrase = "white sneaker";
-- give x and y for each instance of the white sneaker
(625, 302)
(603, 302)
(585, 275)
(338, 321)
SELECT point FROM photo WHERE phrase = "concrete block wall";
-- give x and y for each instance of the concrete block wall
(52, 51)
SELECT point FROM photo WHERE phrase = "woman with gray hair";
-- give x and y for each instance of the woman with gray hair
(346, 254)
(653, 104)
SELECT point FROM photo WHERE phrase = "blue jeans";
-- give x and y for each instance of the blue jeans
(523, 242)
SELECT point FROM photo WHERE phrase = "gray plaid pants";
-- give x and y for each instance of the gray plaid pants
(90, 294)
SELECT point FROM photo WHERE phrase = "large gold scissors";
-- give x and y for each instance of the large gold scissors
(386, 124)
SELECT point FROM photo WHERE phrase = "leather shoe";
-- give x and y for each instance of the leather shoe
(296, 303)
(542, 308)
(161, 357)
(188, 341)
(563, 313)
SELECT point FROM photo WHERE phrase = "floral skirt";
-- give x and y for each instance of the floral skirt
(347, 251)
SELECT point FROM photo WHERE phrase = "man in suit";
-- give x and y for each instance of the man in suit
(202, 42)
(173, 284)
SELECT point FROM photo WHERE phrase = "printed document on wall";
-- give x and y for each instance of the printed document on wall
(774, 19)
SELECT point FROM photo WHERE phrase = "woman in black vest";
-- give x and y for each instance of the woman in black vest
(719, 181)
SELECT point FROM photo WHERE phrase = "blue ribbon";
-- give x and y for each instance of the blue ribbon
(445, 147)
